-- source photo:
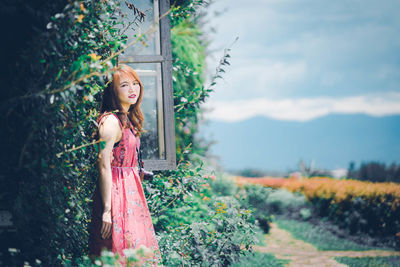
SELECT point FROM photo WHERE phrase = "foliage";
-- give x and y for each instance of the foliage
(250, 172)
(310, 170)
(255, 197)
(358, 206)
(367, 207)
(273, 182)
(188, 52)
(141, 256)
(375, 172)
(305, 213)
(282, 201)
(188, 80)
(260, 259)
(390, 261)
(197, 226)
(321, 236)
(224, 186)
(214, 240)
(63, 70)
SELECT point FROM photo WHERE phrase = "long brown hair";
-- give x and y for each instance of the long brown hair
(111, 103)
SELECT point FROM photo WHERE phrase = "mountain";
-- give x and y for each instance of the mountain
(331, 141)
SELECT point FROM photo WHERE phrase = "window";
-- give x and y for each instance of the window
(153, 63)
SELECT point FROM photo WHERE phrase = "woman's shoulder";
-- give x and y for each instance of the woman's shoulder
(108, 119)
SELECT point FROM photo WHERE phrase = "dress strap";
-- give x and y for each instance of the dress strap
(107, 113)
(132, 127)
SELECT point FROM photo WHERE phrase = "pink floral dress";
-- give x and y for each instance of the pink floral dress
(131, 220)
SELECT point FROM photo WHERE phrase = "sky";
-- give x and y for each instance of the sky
(300, 60)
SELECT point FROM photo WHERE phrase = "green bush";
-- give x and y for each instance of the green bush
(254, 197)
(281, 201)
(305, 213)
(259, 259)
(212, 240)
(223, 185)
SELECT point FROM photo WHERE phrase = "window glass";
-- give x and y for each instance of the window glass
(150, 45)
(152, 141)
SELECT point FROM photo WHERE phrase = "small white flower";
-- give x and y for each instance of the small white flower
(129, 252)
(107, 253)
(59, 15)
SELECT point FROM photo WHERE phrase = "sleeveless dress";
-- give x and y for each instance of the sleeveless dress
(130, 216)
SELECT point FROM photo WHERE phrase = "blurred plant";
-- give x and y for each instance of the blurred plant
(254, 197)
(250, 173)
(282, 201)
(366, 207)
(311, 171)
(375, 172)
(305, 213)
(273, 182)
(223, 185)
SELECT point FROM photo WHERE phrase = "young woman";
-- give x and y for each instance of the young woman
(120, 215)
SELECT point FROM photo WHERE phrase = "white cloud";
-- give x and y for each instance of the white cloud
(289, 49)
(261, 78)
(303, 109)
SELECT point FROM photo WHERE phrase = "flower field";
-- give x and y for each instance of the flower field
(357, 205)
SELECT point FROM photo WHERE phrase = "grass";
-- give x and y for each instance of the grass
(259, 233)
(259, 260)
(319, 236)
(370, 261)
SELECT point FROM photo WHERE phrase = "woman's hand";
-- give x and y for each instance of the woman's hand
(106, 226)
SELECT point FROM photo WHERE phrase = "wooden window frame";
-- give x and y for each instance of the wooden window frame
(165, 58)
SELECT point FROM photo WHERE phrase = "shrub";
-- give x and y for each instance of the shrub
(213, 240)
(223, 185)
(375, 172)
(367, 207)
(305, 213)
(254, 197)
(274, 182)
(282, 201)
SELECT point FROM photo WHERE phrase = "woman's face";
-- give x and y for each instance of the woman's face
(128, 90)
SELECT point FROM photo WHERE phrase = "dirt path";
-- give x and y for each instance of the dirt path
(284, 246)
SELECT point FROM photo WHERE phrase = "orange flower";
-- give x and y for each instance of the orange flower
(80, 18)
(94, 56)
(82, 7)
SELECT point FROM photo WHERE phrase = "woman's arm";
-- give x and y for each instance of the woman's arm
(108, 132)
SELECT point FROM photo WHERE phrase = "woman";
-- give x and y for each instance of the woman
(120, 217)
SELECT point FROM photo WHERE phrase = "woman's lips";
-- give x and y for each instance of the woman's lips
(132, 96)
